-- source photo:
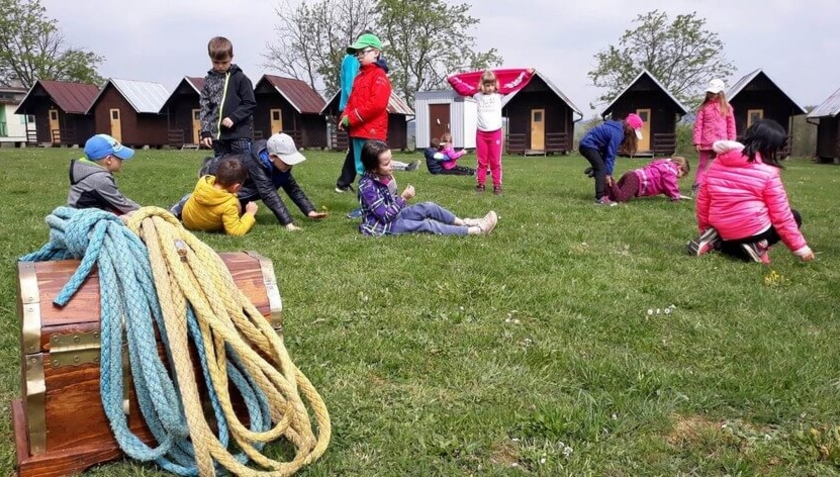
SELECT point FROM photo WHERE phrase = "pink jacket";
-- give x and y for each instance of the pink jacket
(452, 157)
(710, 125)
(659, 177)
(741, 199)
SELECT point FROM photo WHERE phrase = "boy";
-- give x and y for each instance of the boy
(92, 183)
(269, 168)
(213, 205)
(227, 103)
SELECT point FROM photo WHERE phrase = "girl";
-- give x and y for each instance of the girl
(449, 159)
(386, 213)
(715, 122)
(488, 90)
(658, 177)
(742, 207)
(600, 145)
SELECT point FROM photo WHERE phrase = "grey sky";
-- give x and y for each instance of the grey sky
(163, 40)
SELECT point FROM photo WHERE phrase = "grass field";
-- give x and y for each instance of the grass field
(542, 349)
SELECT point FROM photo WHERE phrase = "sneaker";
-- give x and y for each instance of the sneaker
(341, 190)
(589, 172)
(757, 251)
(497, 190)
(488, 223)
(472, 222)
(414, 165)
(479, 188)
(605, 201)
(179, 206)
(355, 214)
(708, 241)
(205, 166)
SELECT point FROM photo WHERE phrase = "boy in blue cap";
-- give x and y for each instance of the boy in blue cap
(92, 182)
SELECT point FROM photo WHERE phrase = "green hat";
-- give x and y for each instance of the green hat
(365, 41)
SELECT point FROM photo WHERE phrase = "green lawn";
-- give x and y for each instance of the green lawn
(543, 349)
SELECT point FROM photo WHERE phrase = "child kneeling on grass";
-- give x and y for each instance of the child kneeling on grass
(658, 177)
(742, 206)
(386, 213)
(213, 205)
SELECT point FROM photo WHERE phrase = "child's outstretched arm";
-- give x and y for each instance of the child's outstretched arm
(782, 219)
(460, 84)
(671, 185)
(519, 82)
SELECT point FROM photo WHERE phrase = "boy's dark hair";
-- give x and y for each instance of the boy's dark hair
(230, 171)
(370, 154)
(765, 137)
(220, 48)
(435, 142)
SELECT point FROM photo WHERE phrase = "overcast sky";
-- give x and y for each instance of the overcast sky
(795, 43)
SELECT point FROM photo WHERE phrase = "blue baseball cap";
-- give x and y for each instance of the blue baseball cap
(102, 145)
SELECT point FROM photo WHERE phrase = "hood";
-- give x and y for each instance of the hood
(234, 68)
(81, 168)
(729, 153)
(206, 195)
(382, 64)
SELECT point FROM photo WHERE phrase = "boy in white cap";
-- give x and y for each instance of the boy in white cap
(92, 182)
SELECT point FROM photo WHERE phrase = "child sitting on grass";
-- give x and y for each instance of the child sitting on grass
(92, 182)
(658, 177)
(441, 159)
(386, 213)
(213, 205)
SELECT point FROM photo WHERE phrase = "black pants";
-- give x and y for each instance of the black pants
(733, 247)
(458, 171)
(348, 170)
(231, 146)
(598, 167)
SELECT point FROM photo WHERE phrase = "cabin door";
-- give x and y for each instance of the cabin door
(754, 116)
(116, 126)
(438, 121)
(538, 129)
(196, 125)
(276, 121)
(55, 135)
(644, 143)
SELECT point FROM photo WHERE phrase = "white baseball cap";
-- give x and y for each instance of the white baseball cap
(283, 146)
(715, 86)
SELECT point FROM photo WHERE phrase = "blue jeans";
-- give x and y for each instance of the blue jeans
(426, 217)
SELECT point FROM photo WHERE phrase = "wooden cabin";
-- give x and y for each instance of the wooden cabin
(540, 118)
(15, 128)
(182, 110)
(130, 112)
(60, 110)
(658, 108)
(399, 113)
(439, 112)
(756, 96)
(825, 117)
(290, 106)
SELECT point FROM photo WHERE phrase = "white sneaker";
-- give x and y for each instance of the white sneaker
(488, 222)
(472, 222)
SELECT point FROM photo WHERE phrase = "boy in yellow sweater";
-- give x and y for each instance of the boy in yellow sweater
(213, 205)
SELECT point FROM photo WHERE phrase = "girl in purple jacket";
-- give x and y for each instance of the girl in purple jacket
(715, 122)
(658, 177)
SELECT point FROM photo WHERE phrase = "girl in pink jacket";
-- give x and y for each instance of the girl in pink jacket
(742, 207)
(488, 89)
(658, 177)
(715, 122)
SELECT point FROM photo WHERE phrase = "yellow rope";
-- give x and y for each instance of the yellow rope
(227, 317)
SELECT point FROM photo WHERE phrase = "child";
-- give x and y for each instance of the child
(742, 207)
(385, 213)
(715, 122)
(434, 157)
(450, 158)
(213, 205)
(227, 103)
(488, 91)
(92, 183)
(658, 177)
(600, 145)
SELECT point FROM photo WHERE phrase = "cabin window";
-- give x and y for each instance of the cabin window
(196, 115)
(537, 116)
(275, 115)
(53, 115)
(115, 114)
(754, 116)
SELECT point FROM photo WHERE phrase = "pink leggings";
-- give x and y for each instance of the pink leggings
(705, 157)
(488, 151)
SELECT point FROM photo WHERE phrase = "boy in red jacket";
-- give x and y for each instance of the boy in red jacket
(366, 116)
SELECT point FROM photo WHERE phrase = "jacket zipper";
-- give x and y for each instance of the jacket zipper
(222, 106)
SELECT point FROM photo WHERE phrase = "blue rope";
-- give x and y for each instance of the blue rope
(128, 298)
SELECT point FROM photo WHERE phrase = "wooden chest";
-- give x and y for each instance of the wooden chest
(59, 424)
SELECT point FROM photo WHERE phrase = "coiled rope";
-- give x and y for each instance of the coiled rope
(193, 299)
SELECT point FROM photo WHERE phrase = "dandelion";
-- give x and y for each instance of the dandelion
(650, 311)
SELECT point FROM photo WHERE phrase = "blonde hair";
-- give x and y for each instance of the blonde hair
(446, 137)
(629, 144)
(683, 164)
(724, 105)
(488, 77)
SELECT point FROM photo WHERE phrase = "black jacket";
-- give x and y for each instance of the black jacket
(263, 182)
(227, 95)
